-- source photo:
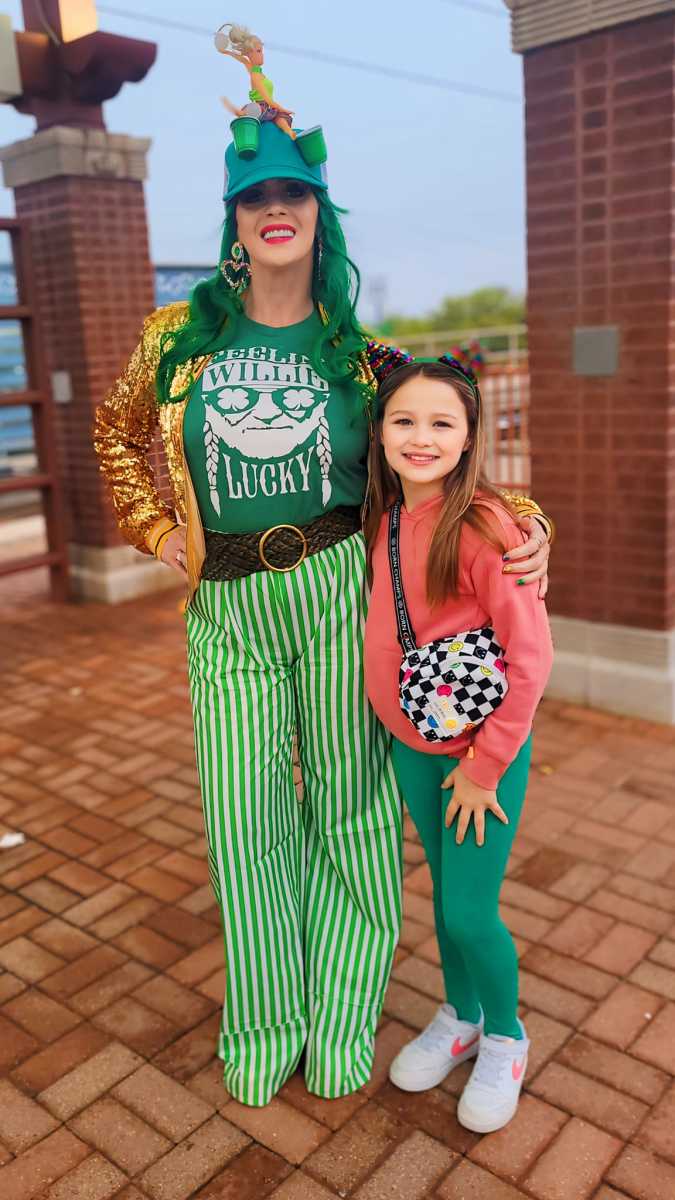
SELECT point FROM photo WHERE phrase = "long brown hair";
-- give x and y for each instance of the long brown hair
(460, 487)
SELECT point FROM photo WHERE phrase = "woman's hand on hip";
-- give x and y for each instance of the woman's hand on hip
(530, 561)
(470, 800)
(174, 552)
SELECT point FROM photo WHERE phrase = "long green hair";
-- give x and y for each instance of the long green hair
(215, 309)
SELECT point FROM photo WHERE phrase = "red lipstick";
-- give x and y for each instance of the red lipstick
(277, 233)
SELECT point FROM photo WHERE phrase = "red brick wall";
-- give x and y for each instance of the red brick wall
(95, 284)
(600, 189)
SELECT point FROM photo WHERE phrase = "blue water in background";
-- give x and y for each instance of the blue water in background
(16, 429)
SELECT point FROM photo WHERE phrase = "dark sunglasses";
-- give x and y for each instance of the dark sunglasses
(290, 191)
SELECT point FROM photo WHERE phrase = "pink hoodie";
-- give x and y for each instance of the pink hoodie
(485, 597)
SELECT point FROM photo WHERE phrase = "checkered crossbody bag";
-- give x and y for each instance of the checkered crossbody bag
(450, 686)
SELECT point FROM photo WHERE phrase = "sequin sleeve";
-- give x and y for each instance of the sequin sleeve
(124, 429)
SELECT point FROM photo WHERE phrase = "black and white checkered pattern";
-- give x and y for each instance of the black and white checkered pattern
(447, 687)
(450, 686)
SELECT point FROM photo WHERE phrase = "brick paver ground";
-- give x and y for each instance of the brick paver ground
(111, 961)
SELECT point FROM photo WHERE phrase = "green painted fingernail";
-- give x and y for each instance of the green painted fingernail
(521, 582)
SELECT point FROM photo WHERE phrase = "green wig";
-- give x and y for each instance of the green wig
(215, 309)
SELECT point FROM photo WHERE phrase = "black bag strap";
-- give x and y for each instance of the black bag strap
(406, 633)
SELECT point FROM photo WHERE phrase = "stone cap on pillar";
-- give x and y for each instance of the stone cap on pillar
(66, 150)
(542, 22)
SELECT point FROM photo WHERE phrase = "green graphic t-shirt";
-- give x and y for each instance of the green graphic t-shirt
(267, 440)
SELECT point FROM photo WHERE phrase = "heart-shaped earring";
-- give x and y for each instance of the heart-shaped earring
(236, 271)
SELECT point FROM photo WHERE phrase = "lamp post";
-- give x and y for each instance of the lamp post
(80, 189)
(66, 66)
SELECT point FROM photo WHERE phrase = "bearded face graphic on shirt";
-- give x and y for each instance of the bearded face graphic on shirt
(270, 410)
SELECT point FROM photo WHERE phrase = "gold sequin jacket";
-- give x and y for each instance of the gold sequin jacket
(125, 427)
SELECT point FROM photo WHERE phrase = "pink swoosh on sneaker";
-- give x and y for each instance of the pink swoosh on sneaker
(458, 1047)
(517, 1069)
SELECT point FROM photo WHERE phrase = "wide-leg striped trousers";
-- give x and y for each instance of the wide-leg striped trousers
(309, 892)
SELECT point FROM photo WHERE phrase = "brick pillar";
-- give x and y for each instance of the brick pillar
(82, 192)
(600, 119)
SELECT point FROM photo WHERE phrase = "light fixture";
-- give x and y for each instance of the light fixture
(10, 75)
(77, 18)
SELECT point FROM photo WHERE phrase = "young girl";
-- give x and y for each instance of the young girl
(455, 529)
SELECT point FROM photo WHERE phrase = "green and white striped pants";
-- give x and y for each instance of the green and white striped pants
(309, 893)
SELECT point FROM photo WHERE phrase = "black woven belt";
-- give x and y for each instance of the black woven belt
(281, 548)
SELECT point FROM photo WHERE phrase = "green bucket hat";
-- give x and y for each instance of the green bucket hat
(277, 157)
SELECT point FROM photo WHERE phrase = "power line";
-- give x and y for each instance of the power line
(487, 9)
(334, 60)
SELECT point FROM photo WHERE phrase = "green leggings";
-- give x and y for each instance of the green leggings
(479, 960)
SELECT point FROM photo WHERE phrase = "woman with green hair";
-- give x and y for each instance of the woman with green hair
(263, 387)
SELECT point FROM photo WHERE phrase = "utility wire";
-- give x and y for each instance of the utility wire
(487, 9)
(334, 60)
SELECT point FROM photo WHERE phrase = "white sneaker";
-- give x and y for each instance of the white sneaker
(490, 1098)
(445, 1043)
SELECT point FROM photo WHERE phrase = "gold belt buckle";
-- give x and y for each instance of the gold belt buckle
(263, 542)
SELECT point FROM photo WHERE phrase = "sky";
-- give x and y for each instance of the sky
(433, 178)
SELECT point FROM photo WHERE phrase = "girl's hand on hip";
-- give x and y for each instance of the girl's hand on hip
(530, 561)
(174, 552)
(470, 800)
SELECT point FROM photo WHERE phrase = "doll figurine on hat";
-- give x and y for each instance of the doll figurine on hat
(245, 47)
(239, 43)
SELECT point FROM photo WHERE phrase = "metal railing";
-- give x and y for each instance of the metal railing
(35, 396)
(506, 399)
(500, 343)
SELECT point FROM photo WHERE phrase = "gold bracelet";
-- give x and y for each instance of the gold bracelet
(547, 525)
(162, 538)
(528, 509)
(163, 525)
